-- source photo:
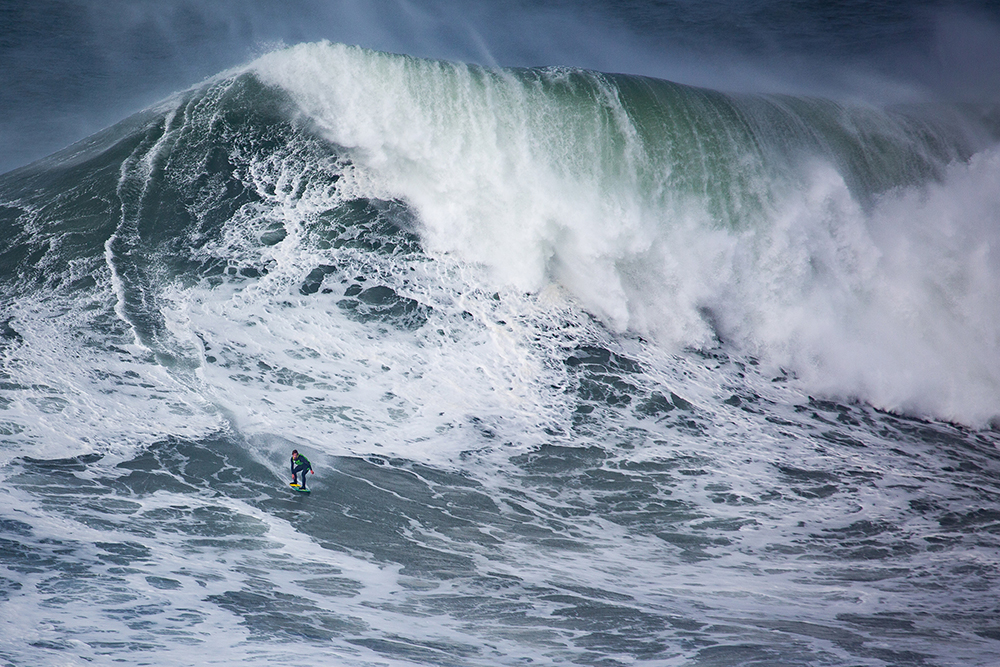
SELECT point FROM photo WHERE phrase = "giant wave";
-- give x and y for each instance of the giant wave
(517, 310)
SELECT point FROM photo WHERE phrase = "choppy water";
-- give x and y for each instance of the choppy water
(593, 368)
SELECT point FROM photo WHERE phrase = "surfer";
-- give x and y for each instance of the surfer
(300, 464)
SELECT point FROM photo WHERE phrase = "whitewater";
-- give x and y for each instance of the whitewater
(593, 369)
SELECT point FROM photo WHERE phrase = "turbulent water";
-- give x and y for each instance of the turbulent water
(593, 369)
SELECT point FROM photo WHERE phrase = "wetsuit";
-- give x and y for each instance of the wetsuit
(301, 464)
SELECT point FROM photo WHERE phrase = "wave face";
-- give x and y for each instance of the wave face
(593, 368)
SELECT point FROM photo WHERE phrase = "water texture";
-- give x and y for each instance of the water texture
(596, 364)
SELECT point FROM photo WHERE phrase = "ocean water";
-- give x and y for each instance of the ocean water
(618, 334)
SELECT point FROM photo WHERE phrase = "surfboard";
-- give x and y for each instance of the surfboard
(299, 488)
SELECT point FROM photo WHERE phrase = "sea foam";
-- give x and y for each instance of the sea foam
(870, 282)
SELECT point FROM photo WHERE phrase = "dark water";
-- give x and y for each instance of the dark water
(631, 333)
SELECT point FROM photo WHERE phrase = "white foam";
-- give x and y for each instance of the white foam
(894, 304)
(898, 305)
(158, 602)
(77, 391)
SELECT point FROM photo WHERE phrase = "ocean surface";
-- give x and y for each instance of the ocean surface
(618, 333)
